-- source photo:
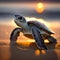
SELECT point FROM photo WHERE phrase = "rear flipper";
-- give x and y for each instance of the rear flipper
(14, 35)
(38, 38)
(52, 39)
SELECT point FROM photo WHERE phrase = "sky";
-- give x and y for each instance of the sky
(29, 0)
(51, 10)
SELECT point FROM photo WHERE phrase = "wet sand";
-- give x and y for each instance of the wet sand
(24, 51)
(13, 51)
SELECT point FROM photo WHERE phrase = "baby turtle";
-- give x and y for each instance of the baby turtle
(32, 29)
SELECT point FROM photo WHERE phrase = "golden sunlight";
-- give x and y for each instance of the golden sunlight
(46, 41)
(25, 42)
(40, 7)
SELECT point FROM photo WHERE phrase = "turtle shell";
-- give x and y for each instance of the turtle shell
(41, 26)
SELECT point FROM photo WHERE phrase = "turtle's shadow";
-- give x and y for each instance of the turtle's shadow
(29, 53)
(31, 46)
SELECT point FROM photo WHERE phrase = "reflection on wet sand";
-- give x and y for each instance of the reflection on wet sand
(31, 53)
(18, 51)
(4, 53)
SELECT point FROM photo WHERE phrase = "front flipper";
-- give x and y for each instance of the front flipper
(14, 35)
(38, 38)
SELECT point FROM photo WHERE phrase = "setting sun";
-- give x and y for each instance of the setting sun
(40, 7)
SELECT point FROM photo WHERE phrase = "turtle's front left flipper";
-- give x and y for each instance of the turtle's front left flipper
(38, 38)
(14, 35)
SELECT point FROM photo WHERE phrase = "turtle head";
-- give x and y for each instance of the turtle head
(19, 20)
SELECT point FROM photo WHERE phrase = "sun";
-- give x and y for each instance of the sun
(40, 7)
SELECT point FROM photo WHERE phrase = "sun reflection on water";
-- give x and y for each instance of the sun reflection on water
(37, 52)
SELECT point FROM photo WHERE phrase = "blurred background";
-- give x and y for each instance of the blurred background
(45, 11)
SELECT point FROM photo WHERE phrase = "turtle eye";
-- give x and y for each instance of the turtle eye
(20, 18)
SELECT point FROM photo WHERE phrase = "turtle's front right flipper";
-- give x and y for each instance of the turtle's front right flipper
(14, 35)
(38, 38)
